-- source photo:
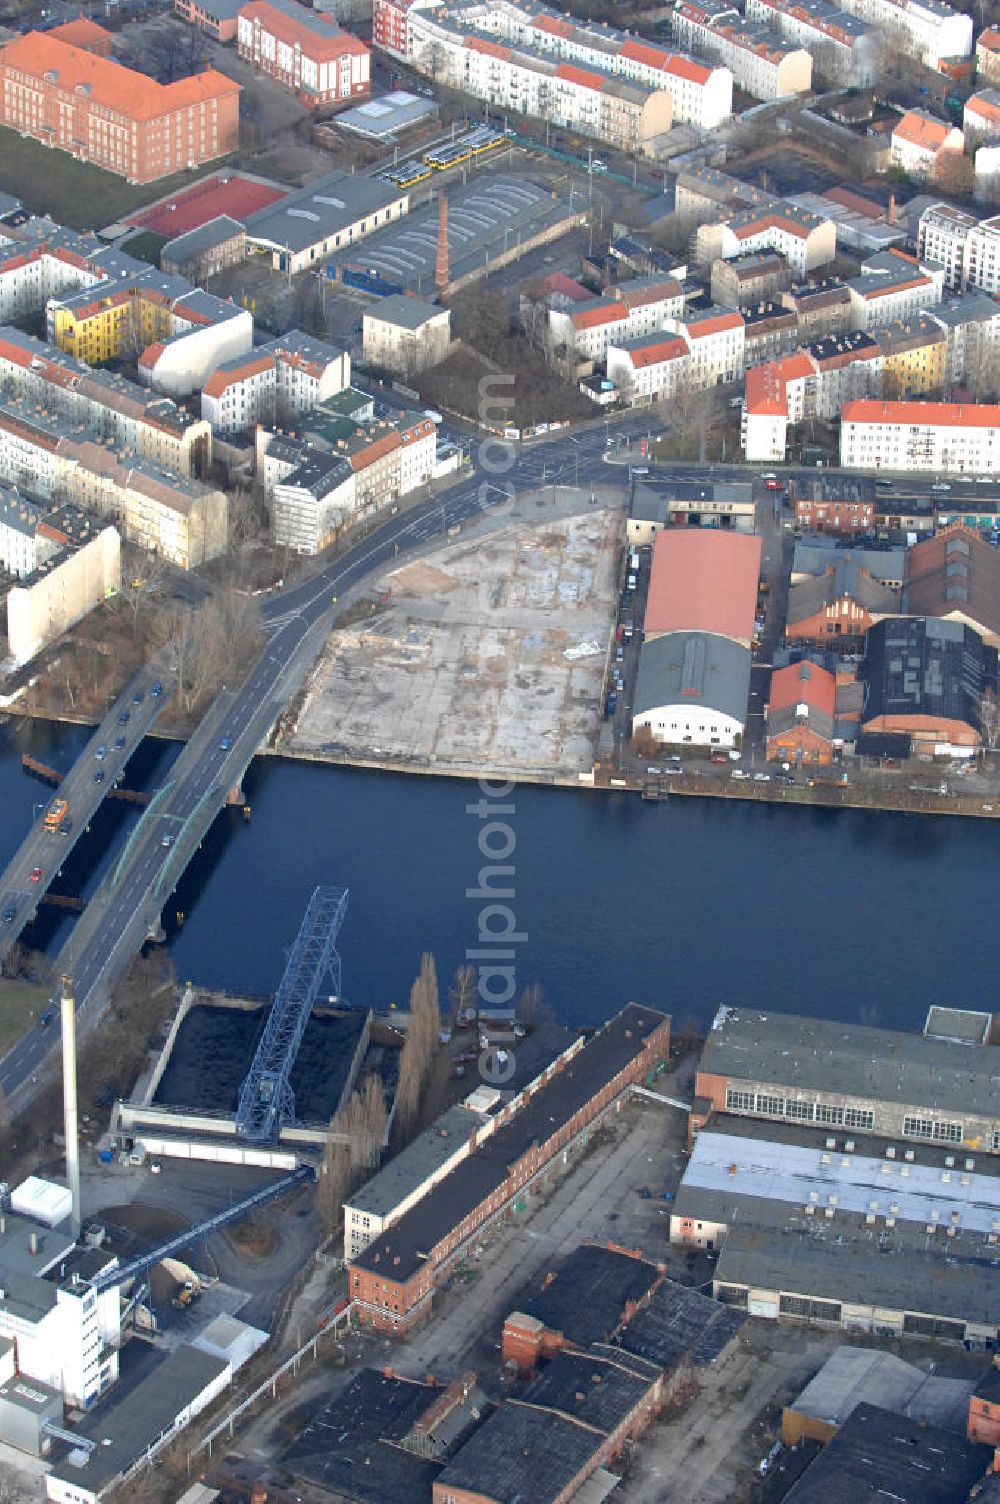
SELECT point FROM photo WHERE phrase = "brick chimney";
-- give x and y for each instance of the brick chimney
(441, 267)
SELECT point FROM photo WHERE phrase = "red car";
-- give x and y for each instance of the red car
(36, 874)
(773, 485)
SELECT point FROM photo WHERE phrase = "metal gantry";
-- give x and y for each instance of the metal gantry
(266, 1099)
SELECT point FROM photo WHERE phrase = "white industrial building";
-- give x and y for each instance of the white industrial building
(946, 438)
(692, 689)
(330, 214)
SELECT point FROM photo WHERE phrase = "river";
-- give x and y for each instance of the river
(683, 905)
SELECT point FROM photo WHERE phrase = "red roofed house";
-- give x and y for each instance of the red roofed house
(988, 55)
(583, 331)
(801, 714)
(703, 580)
(981, 118)
(716, 340)
(774, 397)
(920, 144)
(85, 34)
(650, 368)
(120, 120)
(307, 52)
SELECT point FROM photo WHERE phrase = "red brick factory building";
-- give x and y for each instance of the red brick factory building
(392, 1282)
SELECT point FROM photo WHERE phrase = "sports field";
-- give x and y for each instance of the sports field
(224, 193)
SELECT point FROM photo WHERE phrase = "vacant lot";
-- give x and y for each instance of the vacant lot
(74, 193)
(20, 1003)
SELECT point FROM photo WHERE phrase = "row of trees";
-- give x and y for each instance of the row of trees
(353, 1147)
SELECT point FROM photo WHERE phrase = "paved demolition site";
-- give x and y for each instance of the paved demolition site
(488, 657)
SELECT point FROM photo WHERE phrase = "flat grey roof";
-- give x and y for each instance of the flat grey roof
(215, 232)
(408, 313)
(385, 115)
(410, 1169)
(823, 1265)
(695, 670)
(853, 1375)
(123, 1432)
(485, 217)
(320, 209)
(31, 1395)
(813, 1054)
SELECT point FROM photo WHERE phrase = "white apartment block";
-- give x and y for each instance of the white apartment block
(927, 29)
(943, 236)
(205, 331)
(405, 335)
(715, 341)
(920, 144)
(624, 115)
(893, 286)
(806, 240)
(700, 94)
(775, 396)
(45, 261)
(109, 405)
(972, 327)
(290, 375)
(637, 307)
(43, 608)
(759, 62)
(824, 28)
(22, 545)
(943, 438)
(649, 369)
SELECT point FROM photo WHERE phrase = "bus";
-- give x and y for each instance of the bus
(56, 814)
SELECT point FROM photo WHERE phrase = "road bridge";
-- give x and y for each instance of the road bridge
(93, 776)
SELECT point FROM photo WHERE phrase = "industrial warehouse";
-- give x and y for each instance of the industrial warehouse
(847, 1175)
(466, 234)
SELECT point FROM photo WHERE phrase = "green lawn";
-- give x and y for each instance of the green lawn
(76, 193)
(20, 1003)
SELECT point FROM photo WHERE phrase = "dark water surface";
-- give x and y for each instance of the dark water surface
(683, 905)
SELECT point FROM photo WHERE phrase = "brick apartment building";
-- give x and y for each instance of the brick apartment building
(392, 1281)
(101, 112)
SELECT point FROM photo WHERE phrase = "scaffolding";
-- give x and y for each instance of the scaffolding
(266, 1100)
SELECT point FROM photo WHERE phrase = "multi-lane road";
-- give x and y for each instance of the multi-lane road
(99, 767)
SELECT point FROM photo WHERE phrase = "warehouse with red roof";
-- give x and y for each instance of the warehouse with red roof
(704, 580)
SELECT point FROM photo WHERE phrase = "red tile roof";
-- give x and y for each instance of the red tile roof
(583, 76)
(891, 287)
(83, 33)
(316, 35)
(671, 347)
(592, 318)
(921, 130)
(929, 414)
(703, 580)
(803, 684)
(490, 49)
(686, 67)
(219, 381)
(716, 325)
(119, 89)
(642, 52)
(989, 39)
(979, 105)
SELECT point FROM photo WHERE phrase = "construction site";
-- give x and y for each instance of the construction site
(486, 657)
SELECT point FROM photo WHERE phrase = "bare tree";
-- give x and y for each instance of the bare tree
(529, 1008)
(462, 993)
(334, 1180)
(217, 640)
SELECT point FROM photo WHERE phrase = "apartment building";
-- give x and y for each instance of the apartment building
(304, 51)
(80, 574)
(24, 544)
(893, 285)
(821, 308)
(290, 375)
(768, 331)
(705, 193)
(101, 112)
(758, 61)
(914, 356)
(309, 508)
(406, 335)
(699, 94)
(927, 29)
(757, 276)
(943, 235)
(775, 396)
(53, 457)
(988, 55)
(981, 116)
(946, 438)
(153, 427)
(806, 240)
(650, 368)
(920, 145)
(842, 46)
(581, 334)
(971, 327)
(218, 18)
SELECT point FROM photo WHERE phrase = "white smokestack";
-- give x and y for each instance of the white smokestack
(67, 1006)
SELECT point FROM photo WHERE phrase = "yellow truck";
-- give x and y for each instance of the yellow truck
(56, 814)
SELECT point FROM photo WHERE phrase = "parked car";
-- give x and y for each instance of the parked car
(36, 874)
(739, 773)
(101, 752)
(156, 690)
(761, 777)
